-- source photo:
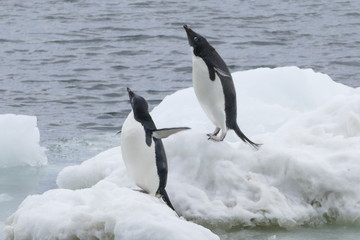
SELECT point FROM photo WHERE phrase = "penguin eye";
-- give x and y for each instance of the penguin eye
(196, 39)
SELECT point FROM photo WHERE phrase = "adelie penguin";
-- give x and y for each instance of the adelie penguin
(143, 151)
(214, 87)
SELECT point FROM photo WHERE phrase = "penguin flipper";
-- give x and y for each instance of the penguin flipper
(166, 132)
(149, 127)
(211, 71)
(215, 64)
(148, 138)
(221, 72)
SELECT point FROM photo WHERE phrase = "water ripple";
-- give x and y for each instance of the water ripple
(68, 62)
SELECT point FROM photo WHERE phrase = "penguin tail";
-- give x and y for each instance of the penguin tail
(166, 199)
(244, 138)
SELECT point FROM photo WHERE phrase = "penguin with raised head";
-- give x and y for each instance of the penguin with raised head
(214, 87)
(143, 151)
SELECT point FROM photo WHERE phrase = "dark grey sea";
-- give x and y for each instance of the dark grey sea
(68, 62)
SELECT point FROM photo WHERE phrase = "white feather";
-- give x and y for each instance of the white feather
(138, 157)
(209, 93)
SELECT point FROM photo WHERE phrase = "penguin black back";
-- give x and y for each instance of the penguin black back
(141, 114)
(152, 135)
(216, 67)
(141, 110)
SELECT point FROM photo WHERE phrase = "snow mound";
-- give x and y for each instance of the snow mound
(104, 211)
(20, 142)
(89, 172)
(306, 172)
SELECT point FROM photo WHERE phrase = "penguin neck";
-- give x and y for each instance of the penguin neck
(203, 51)
(199, 69)
(144, 118)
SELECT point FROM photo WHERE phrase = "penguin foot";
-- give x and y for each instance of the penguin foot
(216, 138)
(141, 190)
(215, 133)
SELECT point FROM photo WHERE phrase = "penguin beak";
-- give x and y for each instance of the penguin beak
(131, 93)
(191, 35)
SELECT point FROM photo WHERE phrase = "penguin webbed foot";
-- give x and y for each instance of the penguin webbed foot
(210, 135)
(217, 138)
(141, 190)
(214, 134)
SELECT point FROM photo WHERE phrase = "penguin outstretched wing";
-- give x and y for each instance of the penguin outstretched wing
(161, 133)
(166, 132)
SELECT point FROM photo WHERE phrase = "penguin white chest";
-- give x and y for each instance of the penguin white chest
(139, 158)
(209, 93)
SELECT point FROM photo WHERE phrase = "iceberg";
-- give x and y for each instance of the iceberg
(5, 197)
(305, 173)
(20, 142)
(104, 211)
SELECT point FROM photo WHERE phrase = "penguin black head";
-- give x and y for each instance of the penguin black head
(139, 106)
(198, 42)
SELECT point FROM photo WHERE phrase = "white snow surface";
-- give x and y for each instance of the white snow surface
(307, 171)
(20, 142)
(104, 211)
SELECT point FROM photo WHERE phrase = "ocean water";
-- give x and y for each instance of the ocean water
(69, 62)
